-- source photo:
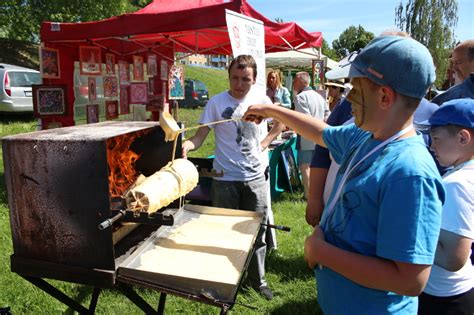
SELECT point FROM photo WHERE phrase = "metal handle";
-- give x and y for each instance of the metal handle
(278, 227)
(107, 223)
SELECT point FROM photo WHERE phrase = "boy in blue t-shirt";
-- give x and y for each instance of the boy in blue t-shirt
(378, 234)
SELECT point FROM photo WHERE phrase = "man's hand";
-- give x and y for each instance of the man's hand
(312, 245)
(186, 147)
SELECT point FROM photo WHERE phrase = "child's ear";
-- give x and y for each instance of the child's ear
(464, 137)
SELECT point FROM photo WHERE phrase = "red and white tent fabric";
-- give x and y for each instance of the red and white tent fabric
(163, 27)
(197, 26)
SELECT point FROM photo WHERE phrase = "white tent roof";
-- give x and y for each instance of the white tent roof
(296, 59)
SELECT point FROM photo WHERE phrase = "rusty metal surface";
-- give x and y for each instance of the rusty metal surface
(57, 194)
(58, 191)
(93, 132)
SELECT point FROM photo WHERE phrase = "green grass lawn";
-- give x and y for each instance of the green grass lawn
(289, 277)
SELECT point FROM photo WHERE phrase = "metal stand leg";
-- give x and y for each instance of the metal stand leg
(161, 305)
(51, 290)
(136, 299)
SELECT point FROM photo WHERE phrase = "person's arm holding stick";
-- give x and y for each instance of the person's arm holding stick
(304, 125)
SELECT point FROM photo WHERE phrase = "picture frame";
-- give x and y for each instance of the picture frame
(124, 72)
(138, 71)
(155, 103)
(164, 70)
(109, 64)
(139, 112)
(151, 85)
(110, 86)
(138, 93)
(90, 60)
(111, 110)
(318, 73)
(49, 100)
(91, 83)
(151, 65)
(291, 169)
(176, 83)
(54, 125)
(124, 105)
(50, 67)
(92, 112)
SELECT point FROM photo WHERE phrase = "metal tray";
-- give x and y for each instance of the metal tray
(206, 251)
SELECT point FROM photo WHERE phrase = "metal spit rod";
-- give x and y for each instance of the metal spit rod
(109, 222)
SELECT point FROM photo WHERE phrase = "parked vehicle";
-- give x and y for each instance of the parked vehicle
(195, 93)
(15, 88)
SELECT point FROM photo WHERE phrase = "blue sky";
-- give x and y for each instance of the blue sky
(332, 17)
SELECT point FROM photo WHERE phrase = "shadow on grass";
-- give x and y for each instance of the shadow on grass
(290, 268)
(3, 189)
(82, 293)
(7, 118)
(299, 307)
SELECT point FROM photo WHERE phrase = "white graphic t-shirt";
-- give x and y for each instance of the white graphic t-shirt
(238, 152)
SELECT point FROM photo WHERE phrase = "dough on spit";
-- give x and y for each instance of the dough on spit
(168, 184)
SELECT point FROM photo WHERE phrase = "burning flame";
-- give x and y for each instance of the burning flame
(121, 162)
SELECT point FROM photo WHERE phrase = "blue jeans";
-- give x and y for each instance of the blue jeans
(251, 196)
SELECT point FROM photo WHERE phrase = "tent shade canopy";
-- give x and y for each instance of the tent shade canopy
(297, 59)
(195, 27)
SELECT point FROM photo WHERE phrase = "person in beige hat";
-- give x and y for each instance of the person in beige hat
(335, 90)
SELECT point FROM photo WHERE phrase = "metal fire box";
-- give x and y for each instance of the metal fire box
(59, 192)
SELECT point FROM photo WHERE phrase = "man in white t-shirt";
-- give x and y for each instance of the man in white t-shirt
(450, 286)
(308, 102)
(240, 153)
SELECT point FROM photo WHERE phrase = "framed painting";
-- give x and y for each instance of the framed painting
(138, 93)
(151, 85)
(90, 61)
(54, 125)
(124, 72)
(92, 88)
(151, 65)
(318, 73)
(291, 169)
(109, 64)
(110, 86)
(163, 87)
(49, 100)
(138, 73)
(176, 83)
(124, 105)
(163, 70)
(139, 112)
(155, 103)
(49, 63)
(111, 110)
(92, 111)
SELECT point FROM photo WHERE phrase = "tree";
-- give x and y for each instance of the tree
(328, 51)
(432, 23)
(21, 19)
(352, 39)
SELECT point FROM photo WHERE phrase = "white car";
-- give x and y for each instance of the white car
(15, 88)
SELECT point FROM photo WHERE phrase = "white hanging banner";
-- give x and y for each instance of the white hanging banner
(247, 37)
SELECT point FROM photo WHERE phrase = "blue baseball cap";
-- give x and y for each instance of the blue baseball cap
(399, 62)
(459, 112)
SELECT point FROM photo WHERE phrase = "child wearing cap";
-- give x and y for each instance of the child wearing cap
(450, 287)
(372, 254)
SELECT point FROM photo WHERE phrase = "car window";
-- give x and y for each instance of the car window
(23, 79)
(199, 86)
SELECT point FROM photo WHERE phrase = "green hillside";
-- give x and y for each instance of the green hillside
(215, 79)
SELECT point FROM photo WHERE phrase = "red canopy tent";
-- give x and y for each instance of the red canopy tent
(163, 27)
